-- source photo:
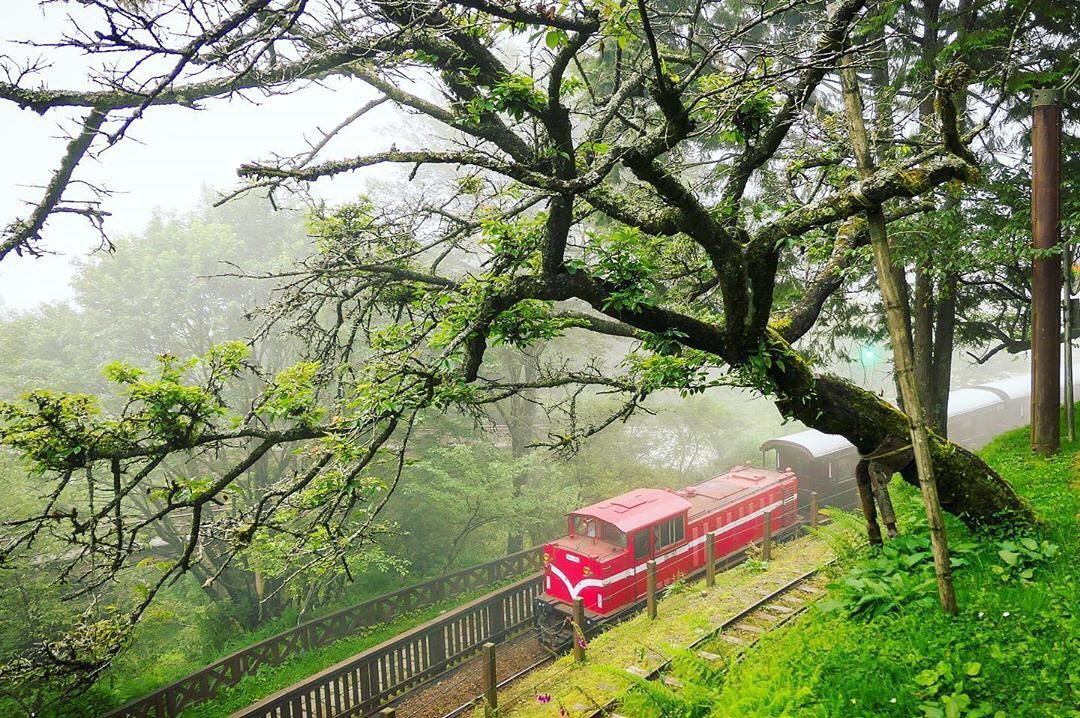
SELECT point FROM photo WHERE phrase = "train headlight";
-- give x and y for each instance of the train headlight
(586, 571)
(547, 559)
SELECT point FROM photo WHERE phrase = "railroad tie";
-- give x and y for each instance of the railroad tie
(778, 608)
(638, 671)
(671, 681)
(708, 656)
(752, 628)
(732, 639)
(812, 590)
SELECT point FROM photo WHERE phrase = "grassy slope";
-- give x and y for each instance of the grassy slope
(682, 617)
(272, 679)
(267, 680)
(1025, 638)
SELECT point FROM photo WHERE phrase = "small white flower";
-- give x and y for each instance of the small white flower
(1005, 614)
(981, 614)
(892, 700)
(853, 700)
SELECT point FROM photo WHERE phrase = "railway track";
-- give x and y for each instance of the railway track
(790, 597)
(424, 660)
(471, 666)
(734, 636)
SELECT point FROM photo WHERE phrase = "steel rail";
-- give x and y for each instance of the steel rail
(725, 624)
(731, 560)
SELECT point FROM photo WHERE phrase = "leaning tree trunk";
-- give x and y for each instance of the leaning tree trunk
(968, 488)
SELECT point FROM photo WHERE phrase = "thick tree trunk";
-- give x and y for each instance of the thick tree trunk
(933, 311)
(968, 488)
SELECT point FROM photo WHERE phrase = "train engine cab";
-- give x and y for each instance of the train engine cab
(604, 557)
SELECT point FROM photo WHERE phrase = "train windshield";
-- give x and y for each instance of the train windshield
(589, 527)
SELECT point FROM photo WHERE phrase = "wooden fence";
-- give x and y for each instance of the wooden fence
(363, 683)
(204, 684)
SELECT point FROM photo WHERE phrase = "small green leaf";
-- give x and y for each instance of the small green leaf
(927, 678)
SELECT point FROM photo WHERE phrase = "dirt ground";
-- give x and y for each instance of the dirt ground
(451, 691)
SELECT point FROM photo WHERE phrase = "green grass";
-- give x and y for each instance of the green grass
(1014, 649)
(150, 665)
(274, 678)
(184, 632)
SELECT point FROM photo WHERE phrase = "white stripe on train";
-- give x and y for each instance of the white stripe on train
(584, 583)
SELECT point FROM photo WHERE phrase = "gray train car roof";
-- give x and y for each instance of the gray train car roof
(965, 401)
(1011, 387)
(1018, 386)
(813, 442)
(818, 444)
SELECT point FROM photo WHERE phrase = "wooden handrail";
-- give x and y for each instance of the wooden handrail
(204, 684)
(363, 682)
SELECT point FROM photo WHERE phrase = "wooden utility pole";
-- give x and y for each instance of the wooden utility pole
(1045, 272)
(900, 335)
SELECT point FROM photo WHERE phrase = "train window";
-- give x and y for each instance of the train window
(641, 543)
(585, 526)
(589, 527)
(669, 532)
(611, 534)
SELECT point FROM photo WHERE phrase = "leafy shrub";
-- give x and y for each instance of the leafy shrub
(900, 574)
(935, 681)
(1021, 557)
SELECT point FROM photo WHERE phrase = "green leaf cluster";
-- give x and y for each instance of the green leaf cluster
(293, 395)
(515, 95)
(1020, 558)
(899, 575)
(624, 258)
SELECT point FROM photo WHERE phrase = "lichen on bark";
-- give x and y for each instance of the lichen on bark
(970, 489)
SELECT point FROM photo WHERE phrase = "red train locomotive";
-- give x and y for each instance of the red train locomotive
(602, 559)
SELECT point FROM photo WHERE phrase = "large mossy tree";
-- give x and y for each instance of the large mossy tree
(652, 172)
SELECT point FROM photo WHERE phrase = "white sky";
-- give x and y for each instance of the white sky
(175, 153)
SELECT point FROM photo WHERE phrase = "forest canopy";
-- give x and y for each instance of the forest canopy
(676, 176)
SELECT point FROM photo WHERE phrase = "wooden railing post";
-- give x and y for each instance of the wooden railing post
(766, 536)
(710, 559)
(496, 624)
(650, 588)
(437, 647)
(579, 630)
(388, 713)
(491, 683)
(813, 510)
